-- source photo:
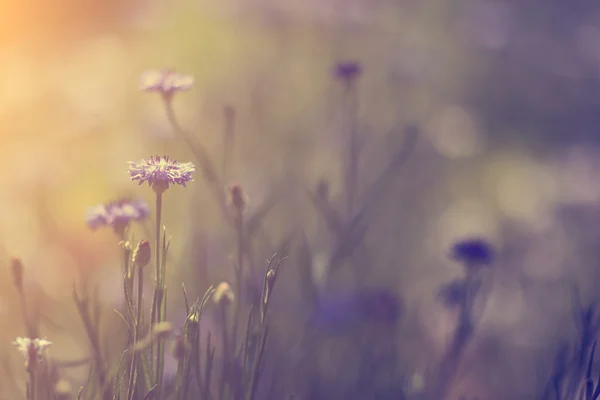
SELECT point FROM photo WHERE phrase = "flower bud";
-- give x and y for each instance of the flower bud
(237, 198)
(223, 295)
(271, 277)
(63, 390)
(142, 254)
(180, 347)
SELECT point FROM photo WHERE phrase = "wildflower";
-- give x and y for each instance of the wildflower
(347, 71)
(16, 268)
(142, 254)
(237, 198)
(117, 214)
(473, 252)
(160, 172)
(31, 349)
(166, 82)
(223, 295)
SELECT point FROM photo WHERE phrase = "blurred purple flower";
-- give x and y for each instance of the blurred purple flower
(116, 214)
(347, 70)
(473, 252)
(160, 172)
(342, 312)
(166, 82)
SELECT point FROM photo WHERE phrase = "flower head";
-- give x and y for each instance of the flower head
(473, 252)
(31, 349)
(166, 82)
(160, 172)
(117, 214)
(348, 70)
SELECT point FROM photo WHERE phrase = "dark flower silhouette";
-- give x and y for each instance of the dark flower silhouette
(473, 252)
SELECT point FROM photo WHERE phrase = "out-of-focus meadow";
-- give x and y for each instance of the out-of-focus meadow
(505, 97)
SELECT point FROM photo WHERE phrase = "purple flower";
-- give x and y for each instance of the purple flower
(166, 82)
(473, 252)
(117, 214)
(347, 70)
(160, 172)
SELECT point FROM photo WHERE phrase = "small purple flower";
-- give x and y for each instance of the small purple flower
(117, 214)
(347, 71)
(166, 82)
(160, 172)
(473, 252)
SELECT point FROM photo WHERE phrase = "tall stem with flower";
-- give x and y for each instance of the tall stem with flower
(160, 173)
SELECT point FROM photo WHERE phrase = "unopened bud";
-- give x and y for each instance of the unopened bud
(142, 254)
(180, 347)
(63, 390)
(237, 198)
(271, 277)
(223, 294)
(17, 268)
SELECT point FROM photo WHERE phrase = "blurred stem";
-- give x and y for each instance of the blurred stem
(239, 276)
(31, 331)
(133, 376)
(462, 334)
(31, 383)
(228, 139)
(350, 126)
(226, 352)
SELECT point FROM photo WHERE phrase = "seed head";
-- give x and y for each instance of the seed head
(142, 254)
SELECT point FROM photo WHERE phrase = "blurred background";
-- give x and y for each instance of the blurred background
(505, 95)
